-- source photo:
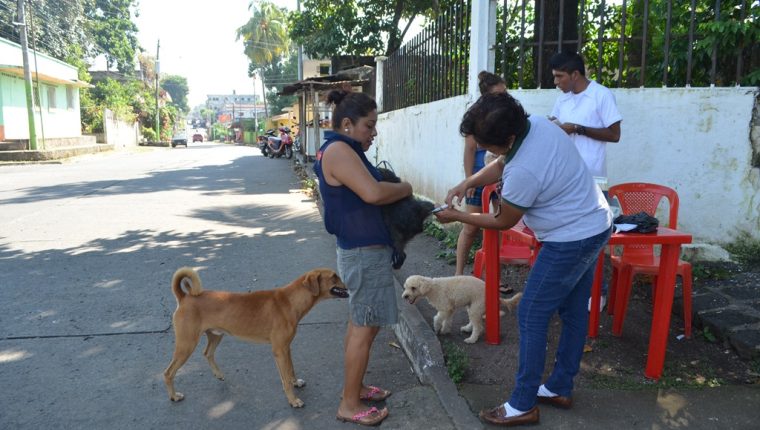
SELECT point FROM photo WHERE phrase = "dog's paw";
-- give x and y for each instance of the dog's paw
(177, 397)
(299, 383)
(466, 328)
(297, 403)
(471, 339)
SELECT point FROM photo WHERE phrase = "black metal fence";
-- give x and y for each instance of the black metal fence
(632, 43)
(433, 65)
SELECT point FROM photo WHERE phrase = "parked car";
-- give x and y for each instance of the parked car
(179, 138)
(197, 137)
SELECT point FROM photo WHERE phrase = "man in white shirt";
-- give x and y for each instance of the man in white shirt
(587, 112)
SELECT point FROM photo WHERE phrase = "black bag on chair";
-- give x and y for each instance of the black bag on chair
(645, 223)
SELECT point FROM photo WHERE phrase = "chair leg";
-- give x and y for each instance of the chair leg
(477, 265)
(612, 291)
(621, 299)
(686, 281)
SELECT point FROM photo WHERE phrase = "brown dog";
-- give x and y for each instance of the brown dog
(269, 316)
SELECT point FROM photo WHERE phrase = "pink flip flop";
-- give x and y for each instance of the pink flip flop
(370, 417)
(375, 394)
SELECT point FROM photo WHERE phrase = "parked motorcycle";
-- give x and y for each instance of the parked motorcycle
(263, 142)
(282, 145)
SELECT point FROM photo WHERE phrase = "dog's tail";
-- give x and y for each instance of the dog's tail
(512, 302)
(188, 278)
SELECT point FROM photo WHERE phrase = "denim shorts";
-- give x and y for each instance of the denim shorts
(476, 199)
(368, 274)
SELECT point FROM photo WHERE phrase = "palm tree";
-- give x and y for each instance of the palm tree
(265, 38)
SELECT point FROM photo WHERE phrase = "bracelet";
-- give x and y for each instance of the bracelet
(579, 129)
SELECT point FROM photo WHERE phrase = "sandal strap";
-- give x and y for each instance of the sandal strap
(359, 415)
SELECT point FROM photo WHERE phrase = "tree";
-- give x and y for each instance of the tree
(83, 27)
(327, 28)
(265, 38)
(54, 27)
(277, 75)
(177, 88)
(113, 32)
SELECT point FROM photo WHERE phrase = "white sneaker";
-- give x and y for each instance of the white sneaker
(602, 303)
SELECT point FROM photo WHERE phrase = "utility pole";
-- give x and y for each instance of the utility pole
(300, 49)
(27, 76)
(255, 110)
(158, 117)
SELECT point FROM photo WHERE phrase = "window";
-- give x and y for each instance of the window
(51, 97)
(36, 95)
(70, 98)
(324, 69)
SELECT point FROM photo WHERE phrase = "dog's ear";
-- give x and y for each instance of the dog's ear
(311, 282)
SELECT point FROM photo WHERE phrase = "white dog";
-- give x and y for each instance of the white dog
(448, 294)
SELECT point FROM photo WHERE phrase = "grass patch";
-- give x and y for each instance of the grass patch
(447, 238)
(745, 249)
(683, 375)
(710, 273)
(456, 361)
(708, 335)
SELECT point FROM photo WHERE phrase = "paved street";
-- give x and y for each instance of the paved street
(87, 250)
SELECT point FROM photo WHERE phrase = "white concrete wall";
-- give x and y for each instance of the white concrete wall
(695, 140)
(120, 134)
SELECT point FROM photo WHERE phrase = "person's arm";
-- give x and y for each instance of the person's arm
(508, 216)
(470, 147)
(604, 134)
(342, 166)
(487, 175)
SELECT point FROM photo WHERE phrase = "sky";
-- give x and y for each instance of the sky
(198, 42)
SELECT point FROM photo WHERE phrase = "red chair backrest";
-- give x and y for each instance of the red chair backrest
(635, 197)
(486, 197)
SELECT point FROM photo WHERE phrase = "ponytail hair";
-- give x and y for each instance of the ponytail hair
(349, 105)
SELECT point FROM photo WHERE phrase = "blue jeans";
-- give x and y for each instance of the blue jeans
(560, 281)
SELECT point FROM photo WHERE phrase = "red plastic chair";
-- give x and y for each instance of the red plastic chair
(511, 251)
(640, 259)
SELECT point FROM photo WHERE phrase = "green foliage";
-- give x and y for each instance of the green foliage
(448, 241)
(745, 249)
(265, 36)
(82, 28)
(149, 134)
(729, 34)
(707, 272)
(177, 88)
(218, 131)
(112, 31)
(276, 75)
(356, 27)
(456, 361)
(708, 335)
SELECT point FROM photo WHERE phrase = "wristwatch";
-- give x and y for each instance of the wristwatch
(579, 129)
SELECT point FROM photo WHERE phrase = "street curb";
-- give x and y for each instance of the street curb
(47, 155)
(424, 351)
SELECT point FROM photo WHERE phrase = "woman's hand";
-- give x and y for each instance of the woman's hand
(457, 192)
(447, 215)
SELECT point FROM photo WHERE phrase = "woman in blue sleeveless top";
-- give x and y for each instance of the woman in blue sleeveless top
(352, 195)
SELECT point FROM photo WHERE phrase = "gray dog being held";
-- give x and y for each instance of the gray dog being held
(450, 293)
(404, 219)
